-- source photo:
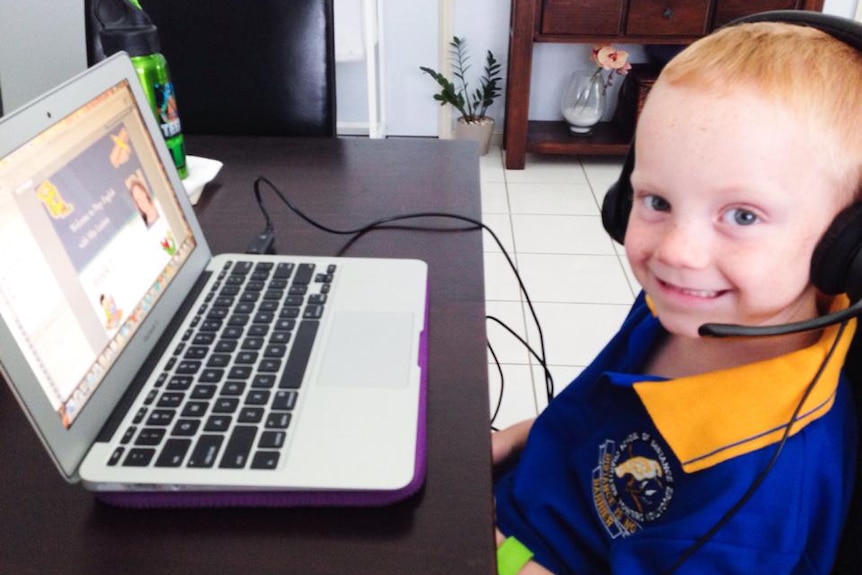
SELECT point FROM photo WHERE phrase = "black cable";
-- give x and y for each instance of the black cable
(761, 477)
(548, 377)
(383, 224)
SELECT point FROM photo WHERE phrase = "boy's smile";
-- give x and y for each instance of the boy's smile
(720, 231)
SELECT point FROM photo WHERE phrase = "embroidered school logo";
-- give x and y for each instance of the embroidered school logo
(632, 484)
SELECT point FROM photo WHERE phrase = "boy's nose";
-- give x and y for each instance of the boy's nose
(684, 245)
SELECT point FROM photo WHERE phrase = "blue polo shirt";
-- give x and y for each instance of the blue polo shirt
(623, 472)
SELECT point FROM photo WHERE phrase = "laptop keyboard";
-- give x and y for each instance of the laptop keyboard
(226, 397)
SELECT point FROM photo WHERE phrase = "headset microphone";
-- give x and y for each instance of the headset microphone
(734, 330)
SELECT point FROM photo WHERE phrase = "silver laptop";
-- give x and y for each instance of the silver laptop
(147, 365)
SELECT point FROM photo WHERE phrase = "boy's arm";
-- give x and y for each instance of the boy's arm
(508, 443)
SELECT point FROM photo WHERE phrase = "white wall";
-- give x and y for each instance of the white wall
(42, 43)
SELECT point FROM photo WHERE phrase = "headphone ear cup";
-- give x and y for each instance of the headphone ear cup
(615, 218)
(836, 265)
(617, 203)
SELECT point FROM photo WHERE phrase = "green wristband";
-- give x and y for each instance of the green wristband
(512, 555)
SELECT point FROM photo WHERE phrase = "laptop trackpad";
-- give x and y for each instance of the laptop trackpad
(368, 349)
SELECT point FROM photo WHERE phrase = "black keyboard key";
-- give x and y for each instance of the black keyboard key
(203, 339)
(161, 417)
(232, 332)
(196, 352)
(116, 456)
(180, 382)
(265, 460)
(171, 399)
(195, 409)
(139, 457)
(250, 415)
(206, 450)
(283, 270)
(238, 447)
(279, 337)
(218, 423)
(272, 439)
(313, 312)
(150, 436)
(186, 427)
(252, 343)
(263, 381)
(269, 365)
(304, 273)
(204, 391)
(246, 357)
(151, 397)
(211, 375)
(294, 371)
(218, 360)
(173, 452)
(226, 405)
(257, 397)
(129, 434)
(242, 372)
(226, 346)
(278, 420)
(284, 400)
(275, 350)
(233, 388)
(188, 367)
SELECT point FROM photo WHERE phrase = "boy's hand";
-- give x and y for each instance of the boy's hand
(508, 443)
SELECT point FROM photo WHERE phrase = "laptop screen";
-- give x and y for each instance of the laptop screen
(92, 233)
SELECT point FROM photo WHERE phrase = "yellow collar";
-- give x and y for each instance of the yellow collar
(715, 416)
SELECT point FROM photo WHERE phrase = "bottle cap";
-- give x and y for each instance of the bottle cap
(137, 40)
(124, 26)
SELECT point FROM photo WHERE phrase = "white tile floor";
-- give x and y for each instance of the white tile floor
(547, 217)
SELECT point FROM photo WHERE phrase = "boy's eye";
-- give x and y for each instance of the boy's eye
(656, 203)
(741, 217)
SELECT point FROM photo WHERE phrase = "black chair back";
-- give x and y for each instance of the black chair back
(246, 67)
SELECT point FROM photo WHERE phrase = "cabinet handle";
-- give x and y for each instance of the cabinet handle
(668, 13)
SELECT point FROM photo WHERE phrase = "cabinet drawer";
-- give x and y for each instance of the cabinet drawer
(729, 10)
(584, 17)
(667, 17)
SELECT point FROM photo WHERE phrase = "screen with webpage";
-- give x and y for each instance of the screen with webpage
(92, 234)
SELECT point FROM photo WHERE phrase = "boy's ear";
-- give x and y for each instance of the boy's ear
(836, 266)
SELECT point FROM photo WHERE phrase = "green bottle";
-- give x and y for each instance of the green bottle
(126, 27)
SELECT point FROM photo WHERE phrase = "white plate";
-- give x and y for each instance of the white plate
(201, 171)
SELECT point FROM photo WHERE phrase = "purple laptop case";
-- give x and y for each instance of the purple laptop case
(273, 498)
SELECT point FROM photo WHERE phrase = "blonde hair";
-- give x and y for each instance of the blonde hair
(816, 76)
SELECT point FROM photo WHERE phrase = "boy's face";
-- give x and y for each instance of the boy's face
(730, 198)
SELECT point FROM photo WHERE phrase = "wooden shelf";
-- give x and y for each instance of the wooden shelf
(676, 22)
(607, 138)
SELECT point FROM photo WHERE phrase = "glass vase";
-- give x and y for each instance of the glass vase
(584, 100)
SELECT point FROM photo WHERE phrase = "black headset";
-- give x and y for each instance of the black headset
(836, 265)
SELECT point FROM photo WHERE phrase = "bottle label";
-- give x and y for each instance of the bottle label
(166, 103)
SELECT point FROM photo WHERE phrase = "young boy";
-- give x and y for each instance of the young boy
(666, 454)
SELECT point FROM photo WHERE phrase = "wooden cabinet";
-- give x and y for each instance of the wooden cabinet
(602, 21)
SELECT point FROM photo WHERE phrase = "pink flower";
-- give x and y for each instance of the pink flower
(609, 58)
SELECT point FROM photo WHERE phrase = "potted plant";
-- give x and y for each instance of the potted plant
(473, 123)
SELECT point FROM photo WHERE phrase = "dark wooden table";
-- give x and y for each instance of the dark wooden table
(48, 526)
